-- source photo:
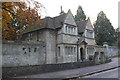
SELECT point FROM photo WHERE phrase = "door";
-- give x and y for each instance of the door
(81, 53)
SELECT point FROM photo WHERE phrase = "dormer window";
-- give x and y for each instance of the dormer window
(90, 31)
(89, 34)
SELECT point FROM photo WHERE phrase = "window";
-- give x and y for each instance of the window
(74, 50)
(70, 50)
(69, 29)
(58, 51)
(66, 29)
(35, 49)
(66, 50)
(24, 48)
(89, 34)
(73, 30)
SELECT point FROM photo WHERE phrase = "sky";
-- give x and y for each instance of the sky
(90, 7)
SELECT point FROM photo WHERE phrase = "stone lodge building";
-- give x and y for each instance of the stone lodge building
(66, 40)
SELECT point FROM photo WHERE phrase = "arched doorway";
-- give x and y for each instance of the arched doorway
(81, 53)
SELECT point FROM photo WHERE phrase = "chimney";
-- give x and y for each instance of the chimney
(62, 12)
(61, 8)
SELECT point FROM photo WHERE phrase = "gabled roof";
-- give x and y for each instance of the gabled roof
(70, 19)
(89, 25)
(81, 25)
(84, 24)
(82, 42)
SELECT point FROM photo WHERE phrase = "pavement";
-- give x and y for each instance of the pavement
(75, 72)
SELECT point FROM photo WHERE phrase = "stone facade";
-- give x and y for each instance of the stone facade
(66, 40)
(61, 40)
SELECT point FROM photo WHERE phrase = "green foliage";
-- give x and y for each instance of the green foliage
(80, 14)
(91, 57)
(115, 56)
(104, 31)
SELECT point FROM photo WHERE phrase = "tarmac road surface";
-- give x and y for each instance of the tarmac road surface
(107, 74)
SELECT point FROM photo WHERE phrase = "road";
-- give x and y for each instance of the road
(107, 74)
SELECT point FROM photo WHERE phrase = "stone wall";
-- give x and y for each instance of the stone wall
(50, 39)
(37, 69)
(37, 53)
(90, 50)
(108, 50)
(113, 50)
(23, 53)
(90, 41)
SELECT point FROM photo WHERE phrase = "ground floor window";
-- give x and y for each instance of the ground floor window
(58, 51)
(70, 50)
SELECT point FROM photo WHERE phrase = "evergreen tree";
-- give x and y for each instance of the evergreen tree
(104, 31)
(80, 14)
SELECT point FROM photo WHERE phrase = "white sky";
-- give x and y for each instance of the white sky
(90, 7)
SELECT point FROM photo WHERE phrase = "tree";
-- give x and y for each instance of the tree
(80, 14)
(104, 31)
(8, 32)
(17, 15)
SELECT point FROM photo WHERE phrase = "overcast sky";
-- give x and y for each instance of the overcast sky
(90, 7)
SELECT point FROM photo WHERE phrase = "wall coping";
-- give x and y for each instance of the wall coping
(23, 42)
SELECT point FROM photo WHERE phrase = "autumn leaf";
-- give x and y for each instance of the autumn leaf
(16, 15)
